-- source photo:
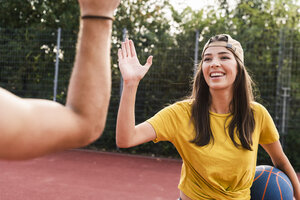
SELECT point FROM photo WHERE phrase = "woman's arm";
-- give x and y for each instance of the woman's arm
(281, 162)
(127, 134)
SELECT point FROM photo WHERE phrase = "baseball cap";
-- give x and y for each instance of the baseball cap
(231, 43)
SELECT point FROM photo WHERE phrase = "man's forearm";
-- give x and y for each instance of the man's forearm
(90, 84)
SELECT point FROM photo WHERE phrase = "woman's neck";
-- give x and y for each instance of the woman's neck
(220, 101)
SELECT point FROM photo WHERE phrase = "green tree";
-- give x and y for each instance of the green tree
(39, 13)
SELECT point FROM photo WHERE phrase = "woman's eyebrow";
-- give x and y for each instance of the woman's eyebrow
(207, 54)
(223, 52)
(220, 53)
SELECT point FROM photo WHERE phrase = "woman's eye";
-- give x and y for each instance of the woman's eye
(224, 57)
(207, 59)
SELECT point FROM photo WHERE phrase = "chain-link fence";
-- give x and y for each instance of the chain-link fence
(38, 63)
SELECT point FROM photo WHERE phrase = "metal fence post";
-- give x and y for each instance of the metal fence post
(285, 97)
(283, 85)
(278, 81)
(196, 52)
(121, 79)
(56, 64)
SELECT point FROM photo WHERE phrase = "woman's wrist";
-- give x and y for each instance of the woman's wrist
(131, 83)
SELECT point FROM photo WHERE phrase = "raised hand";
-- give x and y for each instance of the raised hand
(130, 67)
(127, 135)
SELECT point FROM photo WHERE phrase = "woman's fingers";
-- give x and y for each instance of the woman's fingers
(124, 52)
(132, 48)
(120, 54)
(128, 49)
(127, 46)
(149, 62)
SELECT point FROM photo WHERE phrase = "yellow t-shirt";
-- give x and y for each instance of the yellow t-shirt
(218, 170)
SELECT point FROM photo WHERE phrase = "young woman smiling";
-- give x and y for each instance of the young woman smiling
(216, 131)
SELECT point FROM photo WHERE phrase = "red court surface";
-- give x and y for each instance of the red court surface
(89, 175)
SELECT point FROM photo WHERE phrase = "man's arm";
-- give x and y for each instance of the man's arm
(30, 128)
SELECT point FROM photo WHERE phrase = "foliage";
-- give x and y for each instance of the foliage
(32, 79)
(39, 13)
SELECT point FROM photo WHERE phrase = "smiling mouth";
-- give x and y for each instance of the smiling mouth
(217, 74)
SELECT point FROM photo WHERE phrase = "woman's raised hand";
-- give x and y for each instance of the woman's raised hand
(131, 69)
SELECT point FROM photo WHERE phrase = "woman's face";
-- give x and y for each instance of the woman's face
(219, 68)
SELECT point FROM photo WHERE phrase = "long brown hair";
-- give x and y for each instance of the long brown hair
(242, 123)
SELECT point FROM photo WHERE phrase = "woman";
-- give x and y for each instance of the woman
(216, 131)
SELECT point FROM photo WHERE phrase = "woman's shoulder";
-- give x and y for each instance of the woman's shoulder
(258, 108)
(184, 104)
(181, 106)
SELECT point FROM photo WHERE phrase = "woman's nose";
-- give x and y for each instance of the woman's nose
(215, 63)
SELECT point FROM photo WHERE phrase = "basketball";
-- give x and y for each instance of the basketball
(271, 184)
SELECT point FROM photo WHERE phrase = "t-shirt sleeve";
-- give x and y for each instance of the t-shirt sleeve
(269, 132)
(165, 122)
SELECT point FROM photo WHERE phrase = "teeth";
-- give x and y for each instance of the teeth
(216, 74)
